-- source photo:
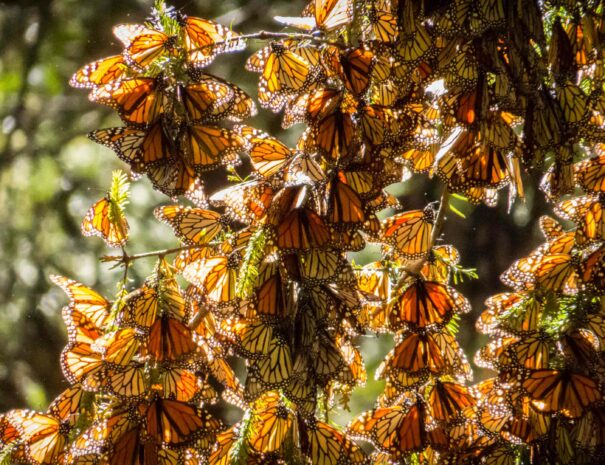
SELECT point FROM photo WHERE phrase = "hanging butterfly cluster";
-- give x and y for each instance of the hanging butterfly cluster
(549, 336)
(171, 108)
(461, 90)
(547, 401)
(139, 382)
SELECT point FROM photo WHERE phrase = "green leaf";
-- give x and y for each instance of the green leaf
(459, 197)
(456, 211)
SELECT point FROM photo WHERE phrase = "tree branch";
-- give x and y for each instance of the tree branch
(268, 35)
(127, 259)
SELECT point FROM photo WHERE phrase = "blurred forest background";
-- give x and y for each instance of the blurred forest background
(50, 173)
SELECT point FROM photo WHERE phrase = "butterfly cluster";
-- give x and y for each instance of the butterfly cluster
(139, 382)
(467, 92)
(172, 110)
(547, 345)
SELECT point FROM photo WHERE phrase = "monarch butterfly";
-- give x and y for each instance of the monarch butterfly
(283, 73)
(87, 312)
(171, 301)
(44, 436)
(587, 211)
(545, 126)
(564, 392)
(375, 287)
(489, 355)
(247, 201)
(144, 45)
(329, 362)
(9, 437)
(550, 267)
(270, 293)
(216, 276)
(356, 70)
(360, 180)
(302, 391)
(193, 226)
(323, 15)
(302, 229)
(209, 99)
(378, 123)
(493, 410)
(515, 315)
(520, 275)
(204, 39)
(66, 406)
(268, 154)
(189, 256)
(530, 351)
(177, 423)
(141, 310)
(573, 103)
(223, 373)
(344, 204)
(272, 425)
(174, 177)
(468, 107)
(531, 426)
(590, 429)
(99, 72)
(439, 262)
(352, 357)
(81, 364)
(551, 228)
(460, 67)
(581, 346)
(418, 354)
(426, 303)
(122, 420)
(410, 232)
(270, 372)
(331, 302)
(139, 148)
(334, 135)
(250, 337)
(106, 220)
(133, 445)
(590, 174)
(118, 347)
(139, 101)
(447, 400)
(324, 444)
(396, 430)
(419, 160)
(475, 166)
(415, 352)
(592, 271)
(416, 45)
(556, 272)
(169, 339)
(130, 382)
(225, 447)
(207, 147)
(383, 25)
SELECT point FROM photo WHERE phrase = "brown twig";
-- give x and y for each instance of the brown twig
(268, 35)
(440, 219)
(127, 259)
